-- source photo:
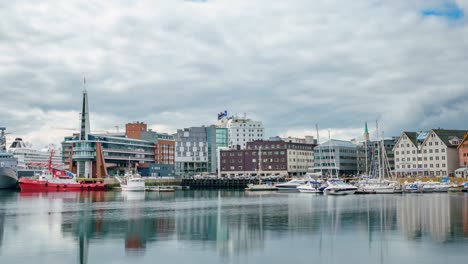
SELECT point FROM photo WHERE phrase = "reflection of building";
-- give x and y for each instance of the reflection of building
(431, 214)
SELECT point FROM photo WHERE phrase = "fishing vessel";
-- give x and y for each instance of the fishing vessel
(132, 181)
(8, 165)
(57, 180)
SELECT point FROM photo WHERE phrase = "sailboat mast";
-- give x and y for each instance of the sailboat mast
(377, 147)
(330, 172)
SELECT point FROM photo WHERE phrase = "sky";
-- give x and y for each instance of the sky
(290, 64)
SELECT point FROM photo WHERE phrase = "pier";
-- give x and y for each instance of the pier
(217, 183)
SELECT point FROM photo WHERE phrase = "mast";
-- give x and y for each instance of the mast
(259, 161)
(366, 139)
(329, 154)
(318, 142)
(378, 147)
(2, 139)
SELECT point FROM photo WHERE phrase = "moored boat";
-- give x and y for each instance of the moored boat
(57, 180)
(311, 186)
(160, 189)
(8, 165)
(338, 187)
(261, 187)
(291, 185)
(132, 182)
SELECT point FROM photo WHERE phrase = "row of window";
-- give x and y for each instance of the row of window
(419, 151)
(409, 166)
(420, 158)
(270, 167)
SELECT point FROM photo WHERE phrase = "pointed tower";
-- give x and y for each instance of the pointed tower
(366, 133)
(85, 129)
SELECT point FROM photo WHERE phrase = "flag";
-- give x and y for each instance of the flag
(221, 115)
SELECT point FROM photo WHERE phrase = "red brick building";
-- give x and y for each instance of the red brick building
(133, 130)
(463, 152)
(268, 158)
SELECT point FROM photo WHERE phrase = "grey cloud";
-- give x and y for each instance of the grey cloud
(291, 64)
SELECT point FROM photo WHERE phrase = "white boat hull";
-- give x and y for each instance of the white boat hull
(309, 191)
(132, 188)
(379, 189)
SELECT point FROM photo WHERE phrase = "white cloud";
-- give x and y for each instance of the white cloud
(176, 64)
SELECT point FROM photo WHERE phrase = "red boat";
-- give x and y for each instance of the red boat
(57, 180)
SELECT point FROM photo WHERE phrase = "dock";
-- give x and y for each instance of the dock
(217, 183)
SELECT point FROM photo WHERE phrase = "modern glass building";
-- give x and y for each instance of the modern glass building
(101, 155)
(335, 158)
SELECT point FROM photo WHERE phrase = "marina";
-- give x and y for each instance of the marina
(231, 226)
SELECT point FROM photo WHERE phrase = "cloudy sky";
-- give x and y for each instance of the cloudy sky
(177, 63)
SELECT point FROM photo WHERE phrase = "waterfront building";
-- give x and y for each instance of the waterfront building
(241, 130)
(408, 160)
(197, 149)
(134, 130)
(164, 148)
(462, 171)
(432, 153)
(305, 140)
(101, 155)
(265, 157)
(336, 158)
(191, 150)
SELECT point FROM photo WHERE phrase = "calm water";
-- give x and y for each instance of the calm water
(232, 227)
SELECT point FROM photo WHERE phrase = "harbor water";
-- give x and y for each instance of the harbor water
(198, 226)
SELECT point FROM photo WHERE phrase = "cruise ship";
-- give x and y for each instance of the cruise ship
(32, 161)
(8, 164)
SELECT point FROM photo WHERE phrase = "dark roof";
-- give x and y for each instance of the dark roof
(463, 141)
(446, 134)
(413, 136)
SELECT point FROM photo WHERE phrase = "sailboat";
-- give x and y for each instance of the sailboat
(379, 186)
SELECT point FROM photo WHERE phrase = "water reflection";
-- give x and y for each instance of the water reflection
(229, 225)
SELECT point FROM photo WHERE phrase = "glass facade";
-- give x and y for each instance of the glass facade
(222, 139)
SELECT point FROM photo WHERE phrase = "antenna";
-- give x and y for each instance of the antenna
(316, 129)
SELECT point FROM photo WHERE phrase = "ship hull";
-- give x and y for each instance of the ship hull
(33, 185)
(8, 178)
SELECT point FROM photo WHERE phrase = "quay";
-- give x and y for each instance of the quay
(221, 183)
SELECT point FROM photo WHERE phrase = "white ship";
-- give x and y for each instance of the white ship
(32, 161)
(8, 165)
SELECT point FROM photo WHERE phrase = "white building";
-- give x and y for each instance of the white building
(242, 130)
(408, 160)
(432, 153)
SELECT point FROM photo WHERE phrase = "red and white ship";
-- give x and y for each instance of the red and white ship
(53, 180)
